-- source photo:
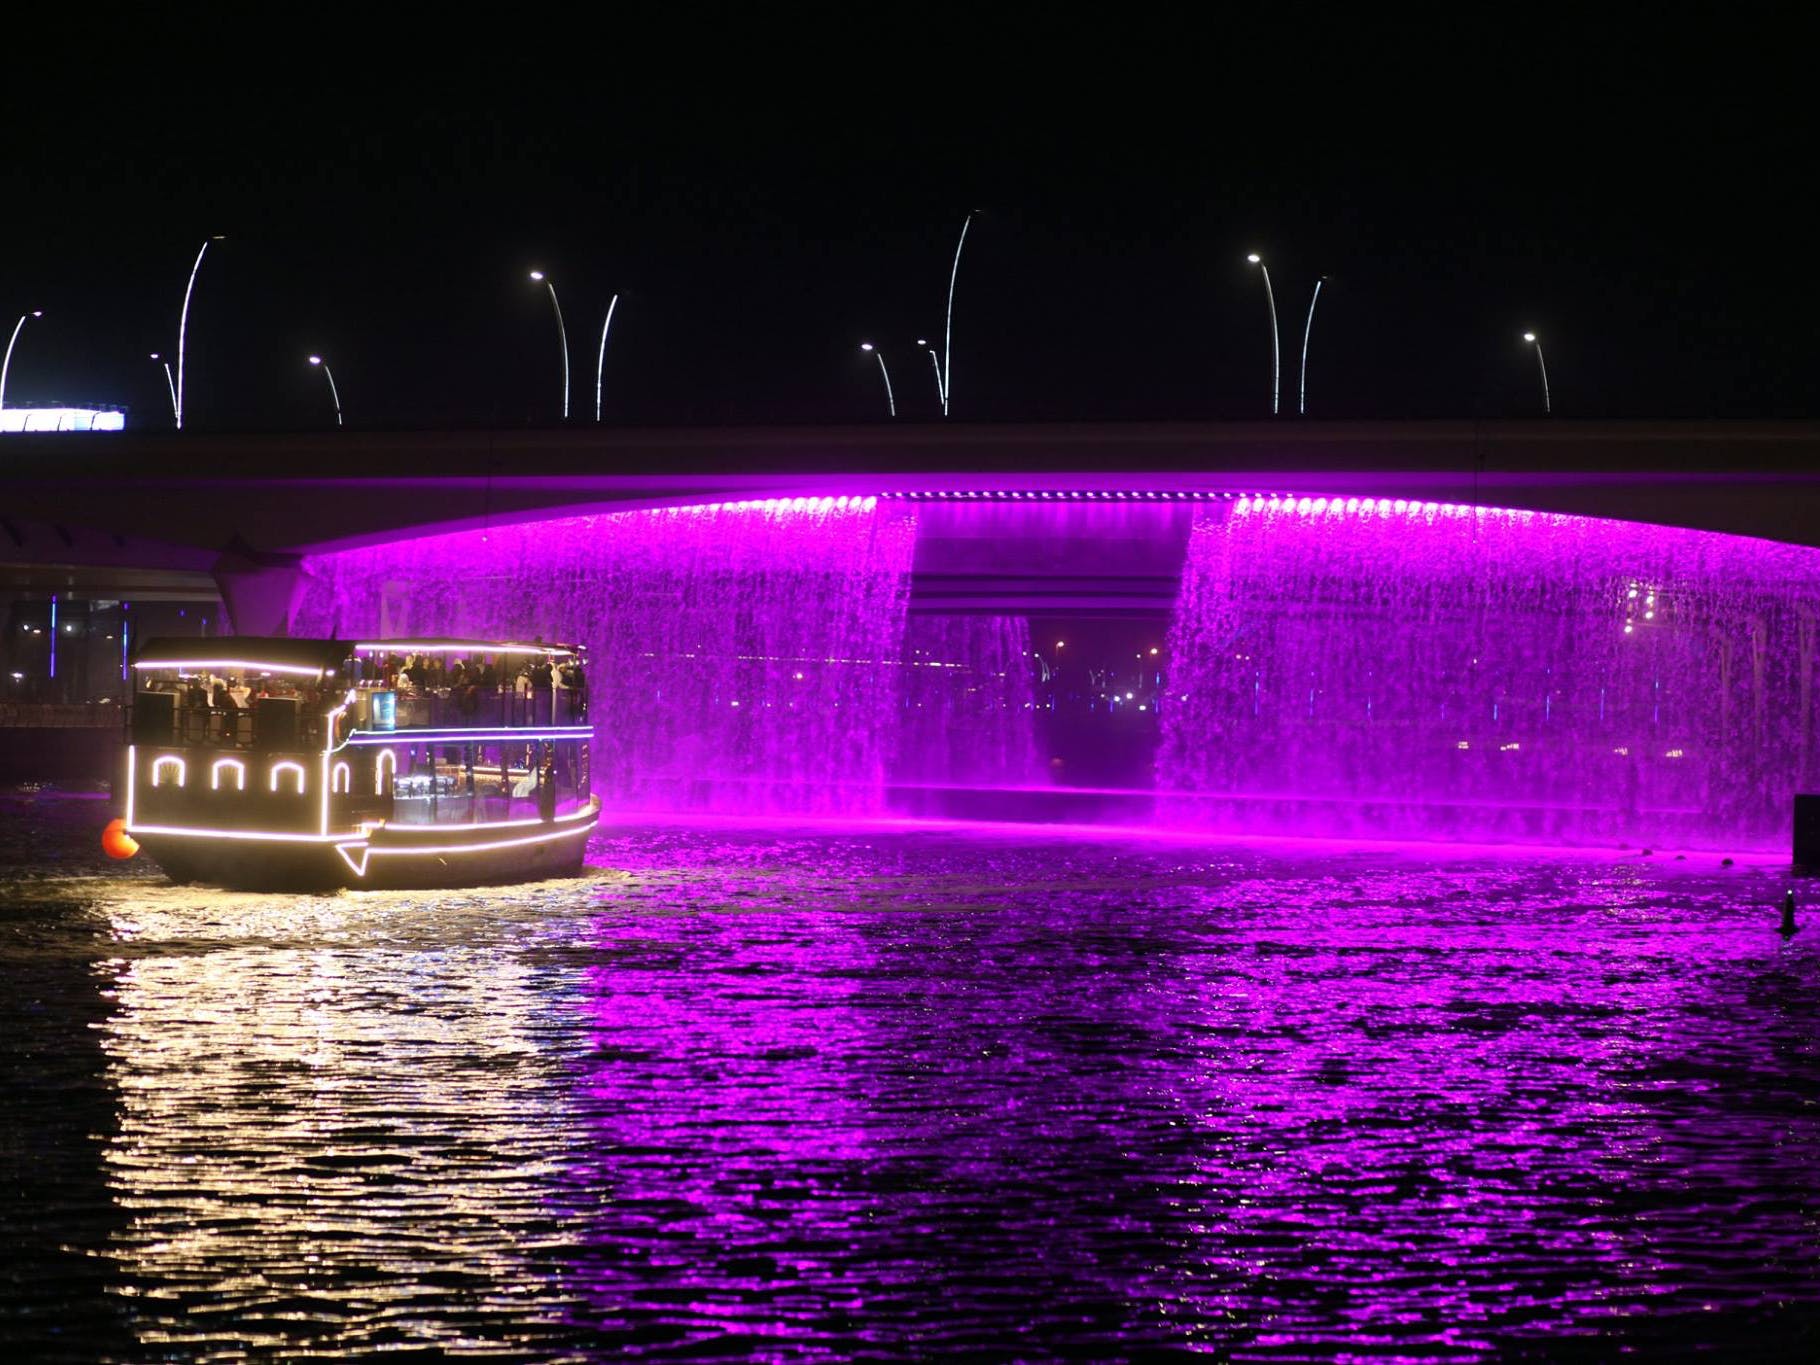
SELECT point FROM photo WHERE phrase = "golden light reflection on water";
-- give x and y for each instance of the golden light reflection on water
(326, 1105)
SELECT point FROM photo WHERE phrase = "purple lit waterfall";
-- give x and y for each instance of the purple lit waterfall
(1360, 666)
(743, 656)
(966, 703)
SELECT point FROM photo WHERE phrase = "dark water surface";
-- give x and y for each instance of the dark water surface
(890, 1093)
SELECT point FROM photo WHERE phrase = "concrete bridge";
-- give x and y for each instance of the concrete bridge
(138, 514)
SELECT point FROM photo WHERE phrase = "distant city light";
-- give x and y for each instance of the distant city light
(17, 420)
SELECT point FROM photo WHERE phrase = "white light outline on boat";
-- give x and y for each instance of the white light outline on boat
(132, 780)
(368, 852)
(367, 829)
(302, 777)
(379, 769)
(159, 762)
(191, 832)
(230, 663)
(586, 813)
(459, 647)
(447, 736)
(330, 747)
(341, 778)
(215, 773)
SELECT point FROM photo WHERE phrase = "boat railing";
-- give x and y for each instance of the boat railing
(473, 708)
(151, 720)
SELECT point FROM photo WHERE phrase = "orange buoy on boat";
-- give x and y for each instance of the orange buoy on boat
(117, 842)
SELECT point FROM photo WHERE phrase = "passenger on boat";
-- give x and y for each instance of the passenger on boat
(573, 679)
(541, 690)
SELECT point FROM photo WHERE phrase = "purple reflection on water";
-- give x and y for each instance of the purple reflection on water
(915, 1092)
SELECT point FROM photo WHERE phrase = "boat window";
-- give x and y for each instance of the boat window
(438, 687)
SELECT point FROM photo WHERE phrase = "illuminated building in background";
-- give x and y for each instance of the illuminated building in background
(14, 420)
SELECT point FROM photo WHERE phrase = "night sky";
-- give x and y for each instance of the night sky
(764, 199)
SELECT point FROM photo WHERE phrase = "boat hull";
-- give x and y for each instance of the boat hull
(385, 858)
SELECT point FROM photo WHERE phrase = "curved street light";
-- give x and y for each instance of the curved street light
(563, 335)
(183, 325)
(947, 365)
(1302, 401)
(334, 394)
(1535, 341)
(169, 383)
(878, 355)
(941, 392)
(1276, 358)
(600, 362)
(7, 364)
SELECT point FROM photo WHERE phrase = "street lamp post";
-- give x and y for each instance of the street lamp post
(1302, 401)
(334, 394)
(169, 383)
(600, 362)
(1276, 357)
(562, 333)
(947, 366)
(879, 356)
(183, 326)
(13, 341)
(941, 390)
(1534, 340)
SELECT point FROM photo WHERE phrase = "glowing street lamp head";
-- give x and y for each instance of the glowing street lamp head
(37, 312)
(537, 275)
(865, 345)
(921, 342)
(315, 360)
(1529, 337)
(156, 356)
(1255, 259)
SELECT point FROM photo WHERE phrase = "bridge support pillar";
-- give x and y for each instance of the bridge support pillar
(261, 589)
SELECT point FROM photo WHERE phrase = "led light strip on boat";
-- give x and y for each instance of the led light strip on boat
(448, 736)
(367, 852)
(246, 665)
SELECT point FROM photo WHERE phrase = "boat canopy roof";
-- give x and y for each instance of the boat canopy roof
(280, 654)
(440, 645)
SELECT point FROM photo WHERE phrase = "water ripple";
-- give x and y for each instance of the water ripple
(895, 1093)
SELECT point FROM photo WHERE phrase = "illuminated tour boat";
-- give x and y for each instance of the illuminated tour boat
(290, 764)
